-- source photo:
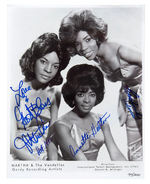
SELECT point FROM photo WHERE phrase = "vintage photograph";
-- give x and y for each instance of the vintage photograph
(75, 89)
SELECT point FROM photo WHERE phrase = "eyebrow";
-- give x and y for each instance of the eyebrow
(47, 60)
(57, 63)
(86, 37)
(44, 58)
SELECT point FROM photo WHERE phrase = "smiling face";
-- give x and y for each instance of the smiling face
(86, 46)
(85, 100)
(46, 67)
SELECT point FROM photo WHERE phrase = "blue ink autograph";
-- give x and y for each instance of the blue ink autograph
(29, 140)
(33, 110)
(21, 93)
(39, 150)
(86, 136)
(132, 103)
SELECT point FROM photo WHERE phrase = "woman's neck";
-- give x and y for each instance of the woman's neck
(79, 113)
(100, 53)
(38, 85)
(101, 48)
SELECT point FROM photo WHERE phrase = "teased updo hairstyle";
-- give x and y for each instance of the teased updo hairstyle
(44, 44)
(83, 20)
(83, 77)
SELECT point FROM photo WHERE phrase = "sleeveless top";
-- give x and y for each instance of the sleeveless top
(92, 145)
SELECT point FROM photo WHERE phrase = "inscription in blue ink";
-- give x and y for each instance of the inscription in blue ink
(132, 104)
(21, 93)
(39, 150)
(33, 111)
(86, 136)
(29, 140)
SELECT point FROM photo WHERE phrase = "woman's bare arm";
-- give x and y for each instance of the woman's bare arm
(110, 51)
(130, 55)
(67, 143)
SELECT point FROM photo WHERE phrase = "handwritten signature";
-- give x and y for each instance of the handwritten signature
(41, 148)
(33, 110)
(86, 135)
(132, 104)
(29, 140)
(21, 93)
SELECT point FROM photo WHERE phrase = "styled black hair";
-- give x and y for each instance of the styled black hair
(44, 44)
(83, 20)
(83, 77)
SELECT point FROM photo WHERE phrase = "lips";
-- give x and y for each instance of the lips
(88, 54)
(86, 107)
(45, 77)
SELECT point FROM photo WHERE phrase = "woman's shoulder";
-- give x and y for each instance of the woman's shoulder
(101, 118)
(95, 115)
(61, 125)
(54, 92)
(108, 50)
(65, 120)
(53, 89)
(65, 117)
(109, 46)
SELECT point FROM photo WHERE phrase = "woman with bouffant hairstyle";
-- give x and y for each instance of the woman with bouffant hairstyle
(81, 133)
(82, 33)
(76, 21)
(37, 108)
(45, 43)
(81, 76)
